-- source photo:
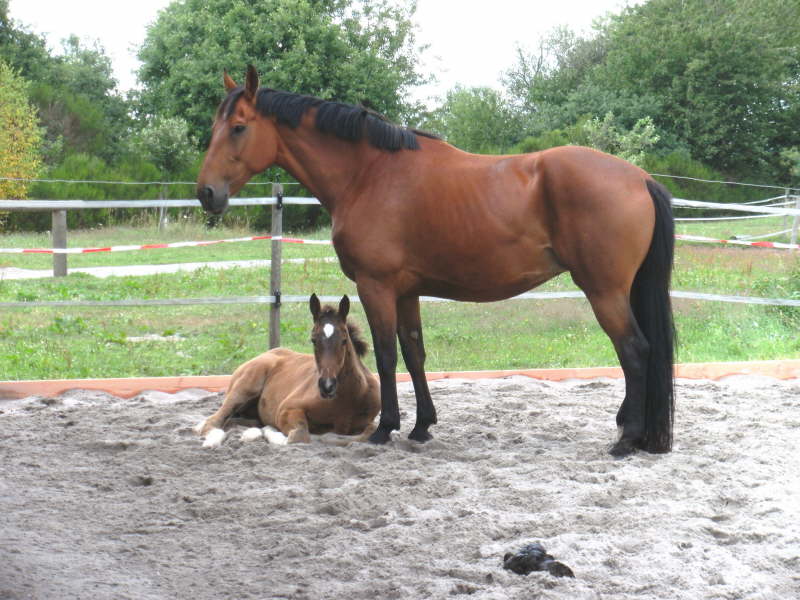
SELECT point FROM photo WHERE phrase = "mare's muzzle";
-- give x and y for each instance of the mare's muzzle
(327, 387)
(212, 199)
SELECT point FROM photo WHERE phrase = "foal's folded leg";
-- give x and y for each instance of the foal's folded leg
(294, 425)
(243, 389)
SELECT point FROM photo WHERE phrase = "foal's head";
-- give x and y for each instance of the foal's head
(333, 339)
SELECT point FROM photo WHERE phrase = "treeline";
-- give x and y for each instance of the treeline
(699, 88)
(702, 88)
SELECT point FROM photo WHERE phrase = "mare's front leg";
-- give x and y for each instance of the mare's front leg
(380, 305)
(410, 333)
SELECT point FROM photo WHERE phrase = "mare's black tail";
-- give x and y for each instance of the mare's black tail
(653, 311)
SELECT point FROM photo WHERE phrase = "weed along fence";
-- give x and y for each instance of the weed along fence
(787, 205)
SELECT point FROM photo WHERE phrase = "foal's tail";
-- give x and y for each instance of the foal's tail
(652, 308)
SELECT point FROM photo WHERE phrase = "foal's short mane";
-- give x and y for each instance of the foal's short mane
(345, 121)
(354, 331)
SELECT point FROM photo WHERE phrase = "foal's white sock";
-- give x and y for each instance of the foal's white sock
(214, 438)
(251, 434)
(274, 436)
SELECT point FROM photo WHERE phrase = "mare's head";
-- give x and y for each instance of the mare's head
(334, 339)
(243, 143)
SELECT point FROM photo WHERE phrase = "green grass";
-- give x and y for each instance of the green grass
(46, 343)
(725, 230)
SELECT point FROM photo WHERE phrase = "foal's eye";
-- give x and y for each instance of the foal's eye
(239, 128)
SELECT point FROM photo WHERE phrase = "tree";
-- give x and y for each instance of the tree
(74, 92)
(718, 77)
(22, 50)
(477, 119)
(20, 135)
(348, 50)
(79, 105)
(721, 70)
(167, 143)
(545, 76)
(608, 136)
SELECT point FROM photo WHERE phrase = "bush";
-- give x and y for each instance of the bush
(20, 137)
(90, 168)
(679, 163)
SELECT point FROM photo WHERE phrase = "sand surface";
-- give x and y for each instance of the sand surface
(102, 497)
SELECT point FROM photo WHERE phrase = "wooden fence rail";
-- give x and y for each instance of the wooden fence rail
(277, 201)
(59, 210)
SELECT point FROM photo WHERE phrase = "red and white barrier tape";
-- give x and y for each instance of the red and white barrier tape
(708, 240)
(289, 240)
(278, 238)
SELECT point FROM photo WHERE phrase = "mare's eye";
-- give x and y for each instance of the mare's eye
(239, 128)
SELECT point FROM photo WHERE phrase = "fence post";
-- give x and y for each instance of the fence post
(786, 197)
(275, 267)
(162, 210)
(59, 241)
(796, 220)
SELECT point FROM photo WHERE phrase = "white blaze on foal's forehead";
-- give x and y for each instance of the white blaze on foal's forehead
(328, 330)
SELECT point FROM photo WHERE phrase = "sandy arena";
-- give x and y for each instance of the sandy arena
(106, 498)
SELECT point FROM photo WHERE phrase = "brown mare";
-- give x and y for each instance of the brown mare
(299, 394)
(415, 216)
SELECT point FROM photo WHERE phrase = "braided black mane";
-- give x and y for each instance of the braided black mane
(345, 121)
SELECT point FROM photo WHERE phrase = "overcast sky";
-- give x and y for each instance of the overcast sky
(471, 41)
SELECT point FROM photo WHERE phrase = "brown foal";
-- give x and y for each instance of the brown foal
(299, 394)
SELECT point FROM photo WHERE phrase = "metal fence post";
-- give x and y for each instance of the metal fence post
(59, 241)
(275, 267)
(786, 197)
(162, 210)
(796, 220)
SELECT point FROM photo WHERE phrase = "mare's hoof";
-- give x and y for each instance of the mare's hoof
(421, 435)
(623, 448)
(380, 436)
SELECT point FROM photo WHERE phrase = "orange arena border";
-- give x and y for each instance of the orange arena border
(127, 387)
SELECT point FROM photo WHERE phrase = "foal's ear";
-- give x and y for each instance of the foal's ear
(251, 84)
(313, 305)
(344, 307)
(228, 82)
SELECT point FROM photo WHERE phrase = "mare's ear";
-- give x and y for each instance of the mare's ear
(344, 307)
(251, 85)
(228, 82)
(313, 305)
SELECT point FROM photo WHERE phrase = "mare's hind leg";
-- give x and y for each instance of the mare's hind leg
(613, 312)
(409, 330)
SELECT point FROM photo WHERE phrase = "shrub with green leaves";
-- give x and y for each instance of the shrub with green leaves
(20, 136)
